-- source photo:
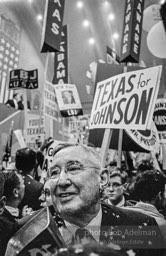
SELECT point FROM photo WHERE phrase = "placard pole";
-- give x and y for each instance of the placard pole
(120, 140)
(105, 145)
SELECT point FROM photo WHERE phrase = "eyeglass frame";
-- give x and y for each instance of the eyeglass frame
(45, 192)
(77, 168)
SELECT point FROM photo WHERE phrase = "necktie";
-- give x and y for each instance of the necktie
(83, 236)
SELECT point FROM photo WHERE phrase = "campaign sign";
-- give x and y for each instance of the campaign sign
(48, 155)
(34, 130)
(159, 118)
(68, 100)
(126, 101)
(24, 79)
(50, 101)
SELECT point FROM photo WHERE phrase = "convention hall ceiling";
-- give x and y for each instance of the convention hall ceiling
(98, 19)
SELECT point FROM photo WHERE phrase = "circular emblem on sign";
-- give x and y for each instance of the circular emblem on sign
(159, 118)
(148, 139)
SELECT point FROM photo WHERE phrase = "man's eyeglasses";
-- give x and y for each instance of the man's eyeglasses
(72, 167)
(115, 185)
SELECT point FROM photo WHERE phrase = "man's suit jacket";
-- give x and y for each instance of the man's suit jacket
(8, 226)
(136, 231)
(33, 190)
(11, 103)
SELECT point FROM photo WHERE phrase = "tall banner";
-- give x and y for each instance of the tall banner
(132, 30)
(9, 54)
(61, 60)
(68, 100)
(126, 101)
(50, 102)
(52, 27)
(24, 79)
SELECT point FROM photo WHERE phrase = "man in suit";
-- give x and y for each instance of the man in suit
(26, 161)
(78, 179)
(15, 102)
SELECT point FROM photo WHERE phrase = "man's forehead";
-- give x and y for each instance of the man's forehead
(71, 152)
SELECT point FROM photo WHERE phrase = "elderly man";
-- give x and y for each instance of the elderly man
(78, 181)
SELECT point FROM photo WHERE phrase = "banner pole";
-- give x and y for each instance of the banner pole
(105, 145)
(45, 79)
(120, 140)
(25, 114)
(164, 158)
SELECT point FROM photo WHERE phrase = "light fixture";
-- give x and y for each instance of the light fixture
(86, 23)
(115, 35)
(39, 17)
(79, 4)
(91, 41)
(162, 2)
(111, 16)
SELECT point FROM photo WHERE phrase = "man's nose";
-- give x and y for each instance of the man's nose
(63, 178)
(111, 187)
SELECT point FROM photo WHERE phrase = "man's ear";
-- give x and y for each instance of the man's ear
(125, 185)
(15, 192)
(104, 178)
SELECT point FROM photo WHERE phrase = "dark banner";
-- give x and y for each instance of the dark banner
(132, 30)
(53, 20)
(20, 78)
(61, 60)
(72, 112)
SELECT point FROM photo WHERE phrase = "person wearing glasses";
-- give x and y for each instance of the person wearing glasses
(115, 193)
(45, 197)
(78, 179)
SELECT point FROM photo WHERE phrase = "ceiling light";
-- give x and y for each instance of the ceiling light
(39, 17)
(86, 23)
(111, 16)
(115, 35)
(162, 2)
(79, 4)
(91, 41)
(106, 3)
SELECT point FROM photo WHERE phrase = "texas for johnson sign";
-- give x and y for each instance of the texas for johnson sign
(126, 101)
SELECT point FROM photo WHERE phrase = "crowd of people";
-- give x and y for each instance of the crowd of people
(89, 204)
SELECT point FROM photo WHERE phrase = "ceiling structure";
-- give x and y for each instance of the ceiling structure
(98, 19)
